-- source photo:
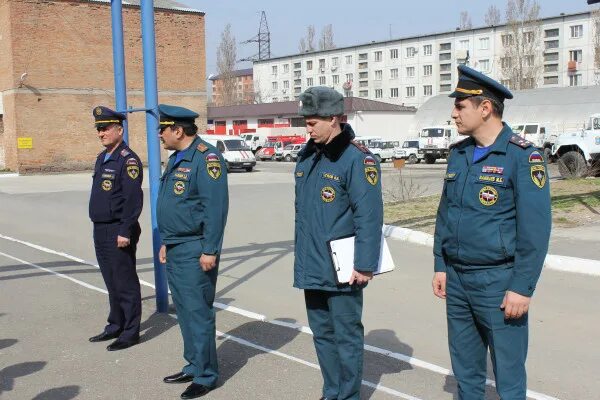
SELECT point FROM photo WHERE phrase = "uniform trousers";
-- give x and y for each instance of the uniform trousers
(118, 267)
(193, 292)
(338, 335)
(475, 324)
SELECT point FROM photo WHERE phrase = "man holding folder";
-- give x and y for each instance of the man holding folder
(338, 194)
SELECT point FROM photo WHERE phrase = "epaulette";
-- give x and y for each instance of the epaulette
(360, 146)
(519, 141)
(125, 153)
(201, 148)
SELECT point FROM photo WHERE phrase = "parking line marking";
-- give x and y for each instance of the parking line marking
(263, 318)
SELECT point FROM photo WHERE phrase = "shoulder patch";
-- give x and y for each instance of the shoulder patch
(212, 157)
(369, 160)
(535, 157)
(361, 147)
(201, 148)
(125, 153)
(519, 141)
(131, 161)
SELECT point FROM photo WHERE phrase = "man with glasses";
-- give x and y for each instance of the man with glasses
(115, 205)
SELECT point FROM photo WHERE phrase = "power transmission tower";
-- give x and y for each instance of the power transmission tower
(263, 39)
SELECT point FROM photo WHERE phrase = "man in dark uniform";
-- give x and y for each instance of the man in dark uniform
(491, 239)
(115, 206)
(193, 202)
(338, 194)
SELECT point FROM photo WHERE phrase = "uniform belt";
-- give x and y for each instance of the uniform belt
(116, 221)
(475, 268)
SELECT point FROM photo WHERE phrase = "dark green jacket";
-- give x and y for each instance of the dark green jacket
(496, 211)
(338, 194)
(193, 198)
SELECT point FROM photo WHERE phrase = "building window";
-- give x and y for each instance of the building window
(445, 57)
(551, 80)
(550, 68)
(445, 87)
(363, 65)
(297, 65)
(508, 40)
(427, 90)
(550, 57)
(576, 32)
(349, 77)
(410, 91)
(529, 60)
(322, 63)
(363, 93)
(575, 80)
(348, 60)
(410, 52)
(274, 100)
(394, 53)
(309, 65)
(445, 67)
(445, 77)
(297, 74)
(506, 62)
(427, 50)
(445, 46)
(550, 33)
(576, 55)
(363, 84)
(286, 84)
(266, 123)
(274, 85)
(309, 82)
(551, 44)
(378, 75)
(463, 44)
(286, 68)
(394, 73)
(427, 70)
(363, 56)
(297, 82)
(363, 75)
(274, 69)
(394, 92)
(286, 98)
(484, 43)
(484, 65)
(378, 56)
(410, 71)
(334, 61)
(322, 81)
(378, 93)
(528, 37)
(336, 79)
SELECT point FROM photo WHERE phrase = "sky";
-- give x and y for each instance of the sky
(353, 21)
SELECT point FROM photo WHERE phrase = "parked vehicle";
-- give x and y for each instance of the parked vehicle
(537, 134)
(235, 151)
(289, 152)
(255, 140)
(435, 142)
(409, 152)
(578, 153)
(366, 140)
(277, 143)
(383, 149)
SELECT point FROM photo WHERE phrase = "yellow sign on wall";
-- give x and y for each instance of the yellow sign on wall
(25, 143)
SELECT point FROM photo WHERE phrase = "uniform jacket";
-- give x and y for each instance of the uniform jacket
(496, 211)
(117, 189)
(193, 198)
(338, 194)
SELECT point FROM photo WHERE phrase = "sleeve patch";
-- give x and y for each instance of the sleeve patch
(211, 157)
(535, 157)
(369, 160)
(131, 161)
(133, 171)
(538, 175)
(372, 175)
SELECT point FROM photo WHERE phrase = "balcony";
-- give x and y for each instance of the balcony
(572, 66)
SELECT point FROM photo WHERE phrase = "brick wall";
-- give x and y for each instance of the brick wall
(66, 49)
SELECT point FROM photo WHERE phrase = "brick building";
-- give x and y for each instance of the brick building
(244, 87)
(56, 65)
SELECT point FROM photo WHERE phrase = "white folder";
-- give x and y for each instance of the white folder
(342, 255)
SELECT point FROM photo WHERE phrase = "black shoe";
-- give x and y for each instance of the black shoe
(180, 377)
(194, 390)
(104, 336)
(120, 345)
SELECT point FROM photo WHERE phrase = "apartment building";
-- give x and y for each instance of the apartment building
(410, 70)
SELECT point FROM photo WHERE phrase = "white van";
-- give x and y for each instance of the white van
(236, 152)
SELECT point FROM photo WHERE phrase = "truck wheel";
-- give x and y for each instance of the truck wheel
(412, 159)
(429, 159)
(548, 155)
(288, 158)
(248, 169)
(572, 165)
(378, 158)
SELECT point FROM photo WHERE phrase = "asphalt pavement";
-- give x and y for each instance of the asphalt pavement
(52, 299)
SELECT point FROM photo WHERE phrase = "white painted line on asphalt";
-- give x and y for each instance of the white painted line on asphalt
(260, 317)
(554, 262)
(11, 175)
(77, 281)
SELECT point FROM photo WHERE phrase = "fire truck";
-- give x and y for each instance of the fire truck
(276, 144)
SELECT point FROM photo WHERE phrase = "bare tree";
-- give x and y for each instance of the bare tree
(521, 64)
(226, 60)
(465, 20)
(310, 38)
(302, 45)
(326, 41)
(492, 16)
(596, 43)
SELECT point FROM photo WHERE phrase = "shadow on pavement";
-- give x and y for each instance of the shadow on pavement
(60, 393)
(451, 386)
(234, 356)
(378, 365)
(12, 372)
(155, 325)
(4, 343)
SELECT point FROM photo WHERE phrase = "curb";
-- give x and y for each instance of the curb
(554, 262)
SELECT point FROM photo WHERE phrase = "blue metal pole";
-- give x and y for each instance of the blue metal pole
(116, 12)
(152, 124)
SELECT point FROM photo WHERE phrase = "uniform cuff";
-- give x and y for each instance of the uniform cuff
(439, 265)
(521, 286)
